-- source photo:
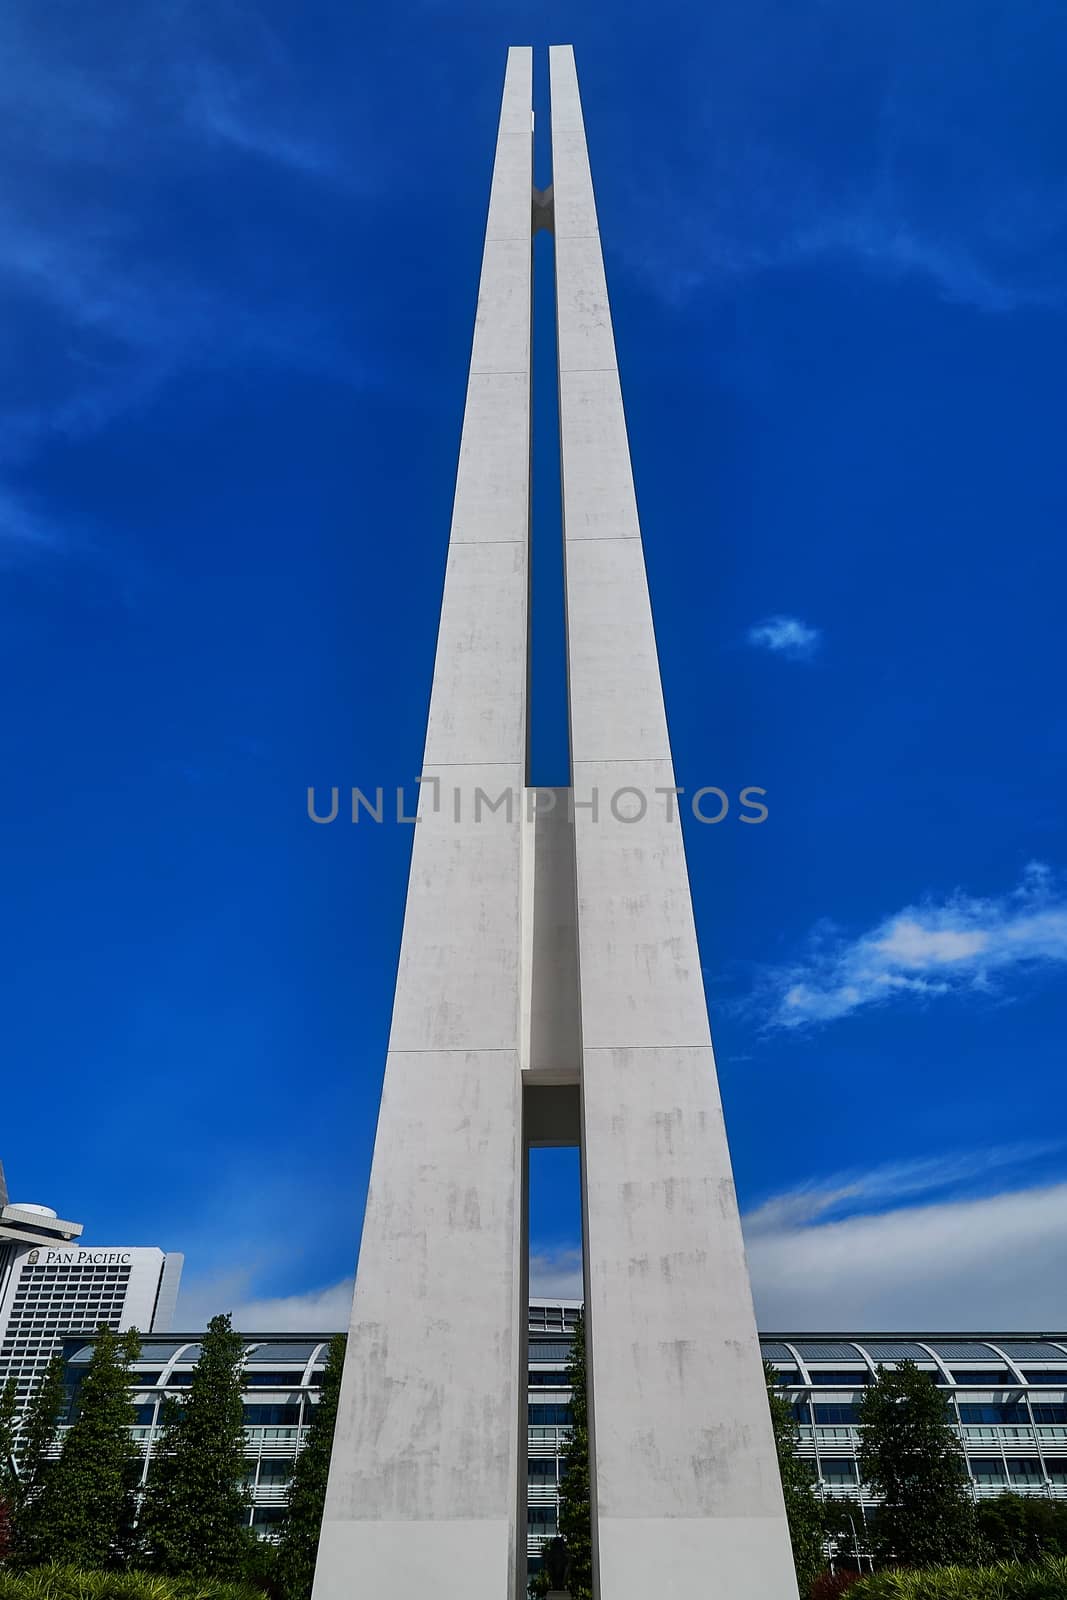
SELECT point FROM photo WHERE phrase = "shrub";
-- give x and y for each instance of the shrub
(829, 1585)
(70, 1583)
(1041, 1580)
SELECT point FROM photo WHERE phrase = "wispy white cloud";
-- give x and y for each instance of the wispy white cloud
(926, 950)
(786, 636)
(892, 247)
(941, 186)
(681, 261)
(989, 1262)
(324, 1310)
(24, 529)
(113, 135)
(883, 1187)
(230, 111)
(556, 1272)
(966, 1240)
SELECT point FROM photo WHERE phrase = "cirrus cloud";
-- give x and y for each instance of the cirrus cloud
(786, 636)
(923, 951)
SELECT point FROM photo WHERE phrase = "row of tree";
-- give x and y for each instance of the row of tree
(912, 1462)
(911, 1459)
(87, 1506)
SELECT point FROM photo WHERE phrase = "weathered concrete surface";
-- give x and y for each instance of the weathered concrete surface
(422, 1494)
(687, 1498)
(549, 977)
(549, 1037)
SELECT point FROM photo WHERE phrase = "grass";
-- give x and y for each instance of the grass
(69, 1583)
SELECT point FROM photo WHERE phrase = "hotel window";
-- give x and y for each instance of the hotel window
(264, 1516)
(988, 1471)
(1025, 1469)
(541, 1519)
(835, 1415)
(1046, 1411)
(838, 1469)
(992, 1411)
(260, 1416)
(549, 1415)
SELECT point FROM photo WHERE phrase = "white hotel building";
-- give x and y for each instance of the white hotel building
(51, 1286)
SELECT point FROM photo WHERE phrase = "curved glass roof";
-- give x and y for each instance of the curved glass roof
(152, 1354)
(773, 1351)
(964, 1350)
(1031, 1350)
(894, 1350)
(298, 1354)
(826, 1350)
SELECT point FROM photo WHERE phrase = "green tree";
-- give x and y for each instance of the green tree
(307, 1490)
(33, 1445)
(910, 1456)
(84, 1513)
(802, 1505)
(845, 1528)
(9, 1482)
(37, 1434)
(575, 1510)
(1019, 1527)
(195, 1513)
(8, 1417)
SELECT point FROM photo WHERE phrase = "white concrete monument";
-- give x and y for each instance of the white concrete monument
(549, 992)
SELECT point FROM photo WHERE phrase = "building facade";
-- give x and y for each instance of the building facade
(1008, 1394)
(51, 1287)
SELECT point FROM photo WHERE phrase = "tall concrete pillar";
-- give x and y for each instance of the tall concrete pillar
(549, 992)
(422, 1498)
(687, 1497)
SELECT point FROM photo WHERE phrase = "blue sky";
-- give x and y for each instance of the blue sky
(237, 276)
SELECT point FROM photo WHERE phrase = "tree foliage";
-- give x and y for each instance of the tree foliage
(1018, 1527)
(802, 1505)
(845, 1528)
(37, 1434)
(9, 1480)
(84, 1511)
(195, 1513)
(575, 1510)
(910, 1456)
(33, 1444)
(307, 1490)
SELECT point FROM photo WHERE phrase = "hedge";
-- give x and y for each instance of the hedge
(1042, 1580)
(69, 1583)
